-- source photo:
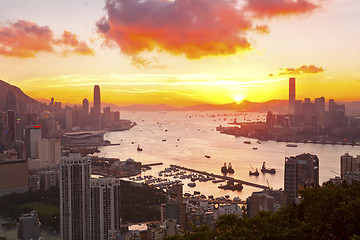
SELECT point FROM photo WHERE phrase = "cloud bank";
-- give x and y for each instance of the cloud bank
(311, 69)
(26, 39)
(194, 28)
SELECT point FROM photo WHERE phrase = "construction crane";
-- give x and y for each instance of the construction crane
(268, 184)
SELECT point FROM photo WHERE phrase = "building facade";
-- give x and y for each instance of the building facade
(105, 207)
(75, 197)
(301, 171)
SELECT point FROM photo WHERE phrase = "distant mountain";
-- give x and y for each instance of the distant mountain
(20, 95)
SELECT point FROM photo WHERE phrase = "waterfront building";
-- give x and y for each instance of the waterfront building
(105, 207)
(75, 197)
(301, 171)
(348, 163)
(292, 95)
(29, 226)
(97, 107)
(14, 177)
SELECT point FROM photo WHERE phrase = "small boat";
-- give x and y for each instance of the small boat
(207, 156)
(258, 142)
(267, 170)
(291, 145)
(139, 148)
(196, 193)
(192, 184)
(224, 169)
(247, 142)
(255, 148)
(237, 199)
(230, 169)
(256, 173)
(164, 140)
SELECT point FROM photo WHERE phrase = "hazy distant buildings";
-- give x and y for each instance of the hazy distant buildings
(292, 95)
(49, 152)
(97, 107)
(105, 207)
(75, 197)
(29, 226)
(301, 171)
(320, 114)
(14, 177)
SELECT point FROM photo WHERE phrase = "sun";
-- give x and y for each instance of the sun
(238, 99)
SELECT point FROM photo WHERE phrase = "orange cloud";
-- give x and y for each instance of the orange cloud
(271, 8)
(311, 69)
(26, 39)
(195, 28)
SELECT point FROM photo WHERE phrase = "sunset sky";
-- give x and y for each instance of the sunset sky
(181, 52)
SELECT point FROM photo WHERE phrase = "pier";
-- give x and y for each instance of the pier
(222, 177)
(151, 164)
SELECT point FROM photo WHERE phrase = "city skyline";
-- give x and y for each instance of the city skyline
(266, 43)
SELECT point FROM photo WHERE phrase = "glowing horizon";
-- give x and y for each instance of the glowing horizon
(221, 52)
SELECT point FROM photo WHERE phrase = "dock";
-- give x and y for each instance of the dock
(222, 177)
(151, 164)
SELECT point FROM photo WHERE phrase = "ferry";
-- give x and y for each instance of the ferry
(230, 169)
(224, 169)
(291, 145)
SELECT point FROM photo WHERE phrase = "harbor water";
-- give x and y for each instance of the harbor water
(185, 138)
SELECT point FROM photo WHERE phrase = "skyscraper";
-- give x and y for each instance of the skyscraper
(320, 113)
(97, 107)
(85, 112)
(75, 197)
(301, 171)
(105, 207)
(292, 95)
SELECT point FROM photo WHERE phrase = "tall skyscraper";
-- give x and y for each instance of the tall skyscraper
(105, 207)
(11, 103)
(292, 95)
(301, 171)
(75, 197)
(320, 113)
(85, 112)
(97, 107)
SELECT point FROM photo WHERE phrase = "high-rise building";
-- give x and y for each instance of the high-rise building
(105, 207)
(301, 171)
(68, 119)
(85, 112)
(97, 107)
(348, 163)
(174, 208)
(75, 197)
(12, 124)
(29, 226)
(292, 95)
(49, 152)
(106, 117)
(32, 139)
(320, 113)
(11, 103)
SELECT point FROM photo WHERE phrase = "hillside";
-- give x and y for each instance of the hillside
(20, 95)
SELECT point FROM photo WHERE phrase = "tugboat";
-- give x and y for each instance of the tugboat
(256, 173)
(207, 156)
(267, 170)
(139, 148)
(224, 169)
(230, 169)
